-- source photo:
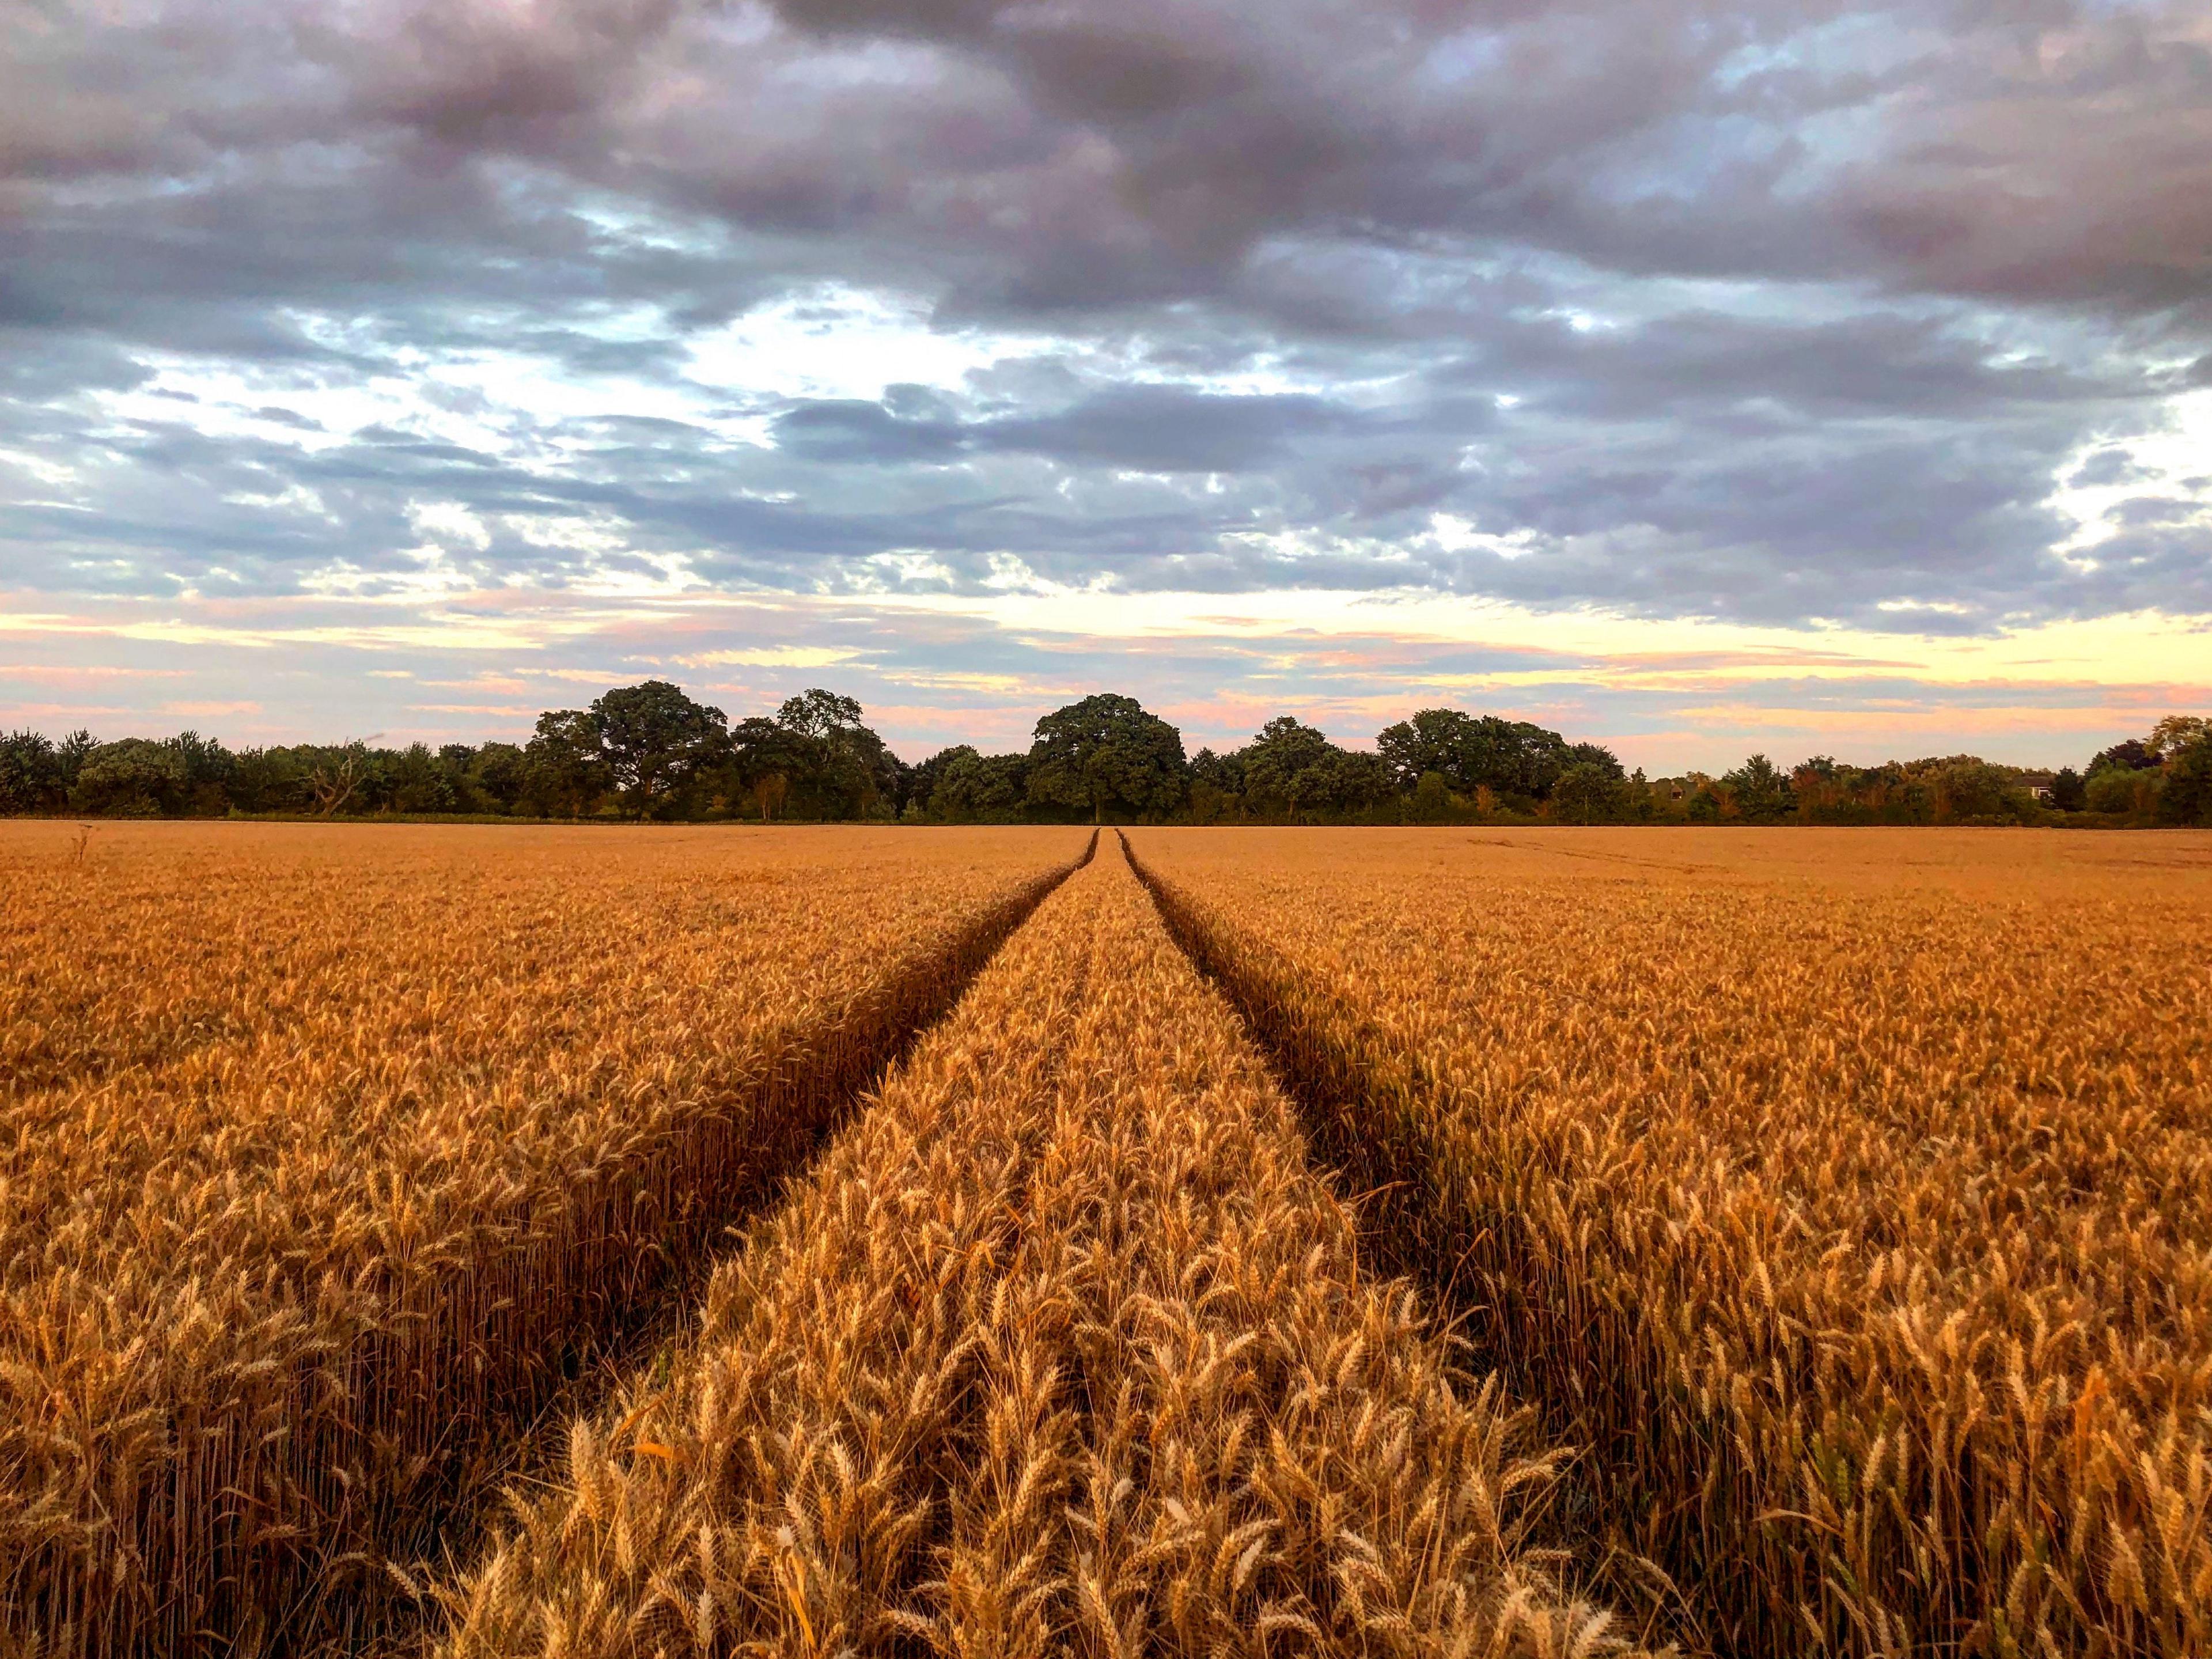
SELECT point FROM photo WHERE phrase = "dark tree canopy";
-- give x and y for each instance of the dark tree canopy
(134, 778)
(1762, 792)
(814, 758)
(567, 768)
(1291, 771)
(1275, 760)
(651, 750)
(2133, 756)
(819, 714)
(1107, 754)
(960, 786)
(1470, 753)
(2186, 792)
(655, 741)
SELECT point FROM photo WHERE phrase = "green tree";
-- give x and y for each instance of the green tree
(2177, 733)
(419, 783)
(840, 769)
(1341, 783)
(1433, 800)
(921, 781)
(944, 785)
(137, 777)
(1512, 758)
(269, 781)
(566, 767)
(975, 789)
(2185, 795)
(2121, 789)
(1106, 753)
(1968, 786)
(819, 714)
(207, 767)
(1001, 790)
(1272, 763)
(1216, 793)
(1291, 771)
(765, 757)
(1463, 751)
(1587, 792)
(1759, 790)
(498, 778)
(31, 777)
(2132, 755)
(655, 741)
(72, 751)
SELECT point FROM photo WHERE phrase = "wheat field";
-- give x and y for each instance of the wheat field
(1847, 1196)
(326, 1154)
(464, 1242)
(1064, 1345)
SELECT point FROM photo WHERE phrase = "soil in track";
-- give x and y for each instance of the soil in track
(1064, 1345)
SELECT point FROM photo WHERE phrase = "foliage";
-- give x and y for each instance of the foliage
(1944, 789)
(958, 786)
(2185, 796)
(1588, 793)
(650, 750)
(2132, 755)
(566, 764)
(140, 778)
(30, 778)
(842, 769)
(1759, 792)
(1432, 799)
(1517, 762)
(2117, 789)
(1106, 754)
(655, 742)
(2165, 777)
(1289, 773)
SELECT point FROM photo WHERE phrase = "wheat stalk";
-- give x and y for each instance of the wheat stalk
(1846, 1194)
(327, 1155)
(1063, 1346)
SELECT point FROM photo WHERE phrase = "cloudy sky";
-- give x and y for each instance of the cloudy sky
(1788, 375)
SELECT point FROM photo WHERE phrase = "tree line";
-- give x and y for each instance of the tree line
(650, 751)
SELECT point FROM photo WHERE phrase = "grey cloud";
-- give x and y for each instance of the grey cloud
(1783, 311)
(851, 429)
(2106, 466)
(1150, 428)
(1163, 429)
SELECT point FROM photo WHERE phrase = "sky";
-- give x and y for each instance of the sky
(1696, 379)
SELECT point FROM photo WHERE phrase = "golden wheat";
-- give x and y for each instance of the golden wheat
(325, 1154)
(1062, 1348)
(1850, 1194)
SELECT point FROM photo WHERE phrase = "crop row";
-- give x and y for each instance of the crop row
(1860, 1230)
(1061, 1347)
(323, 1162)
